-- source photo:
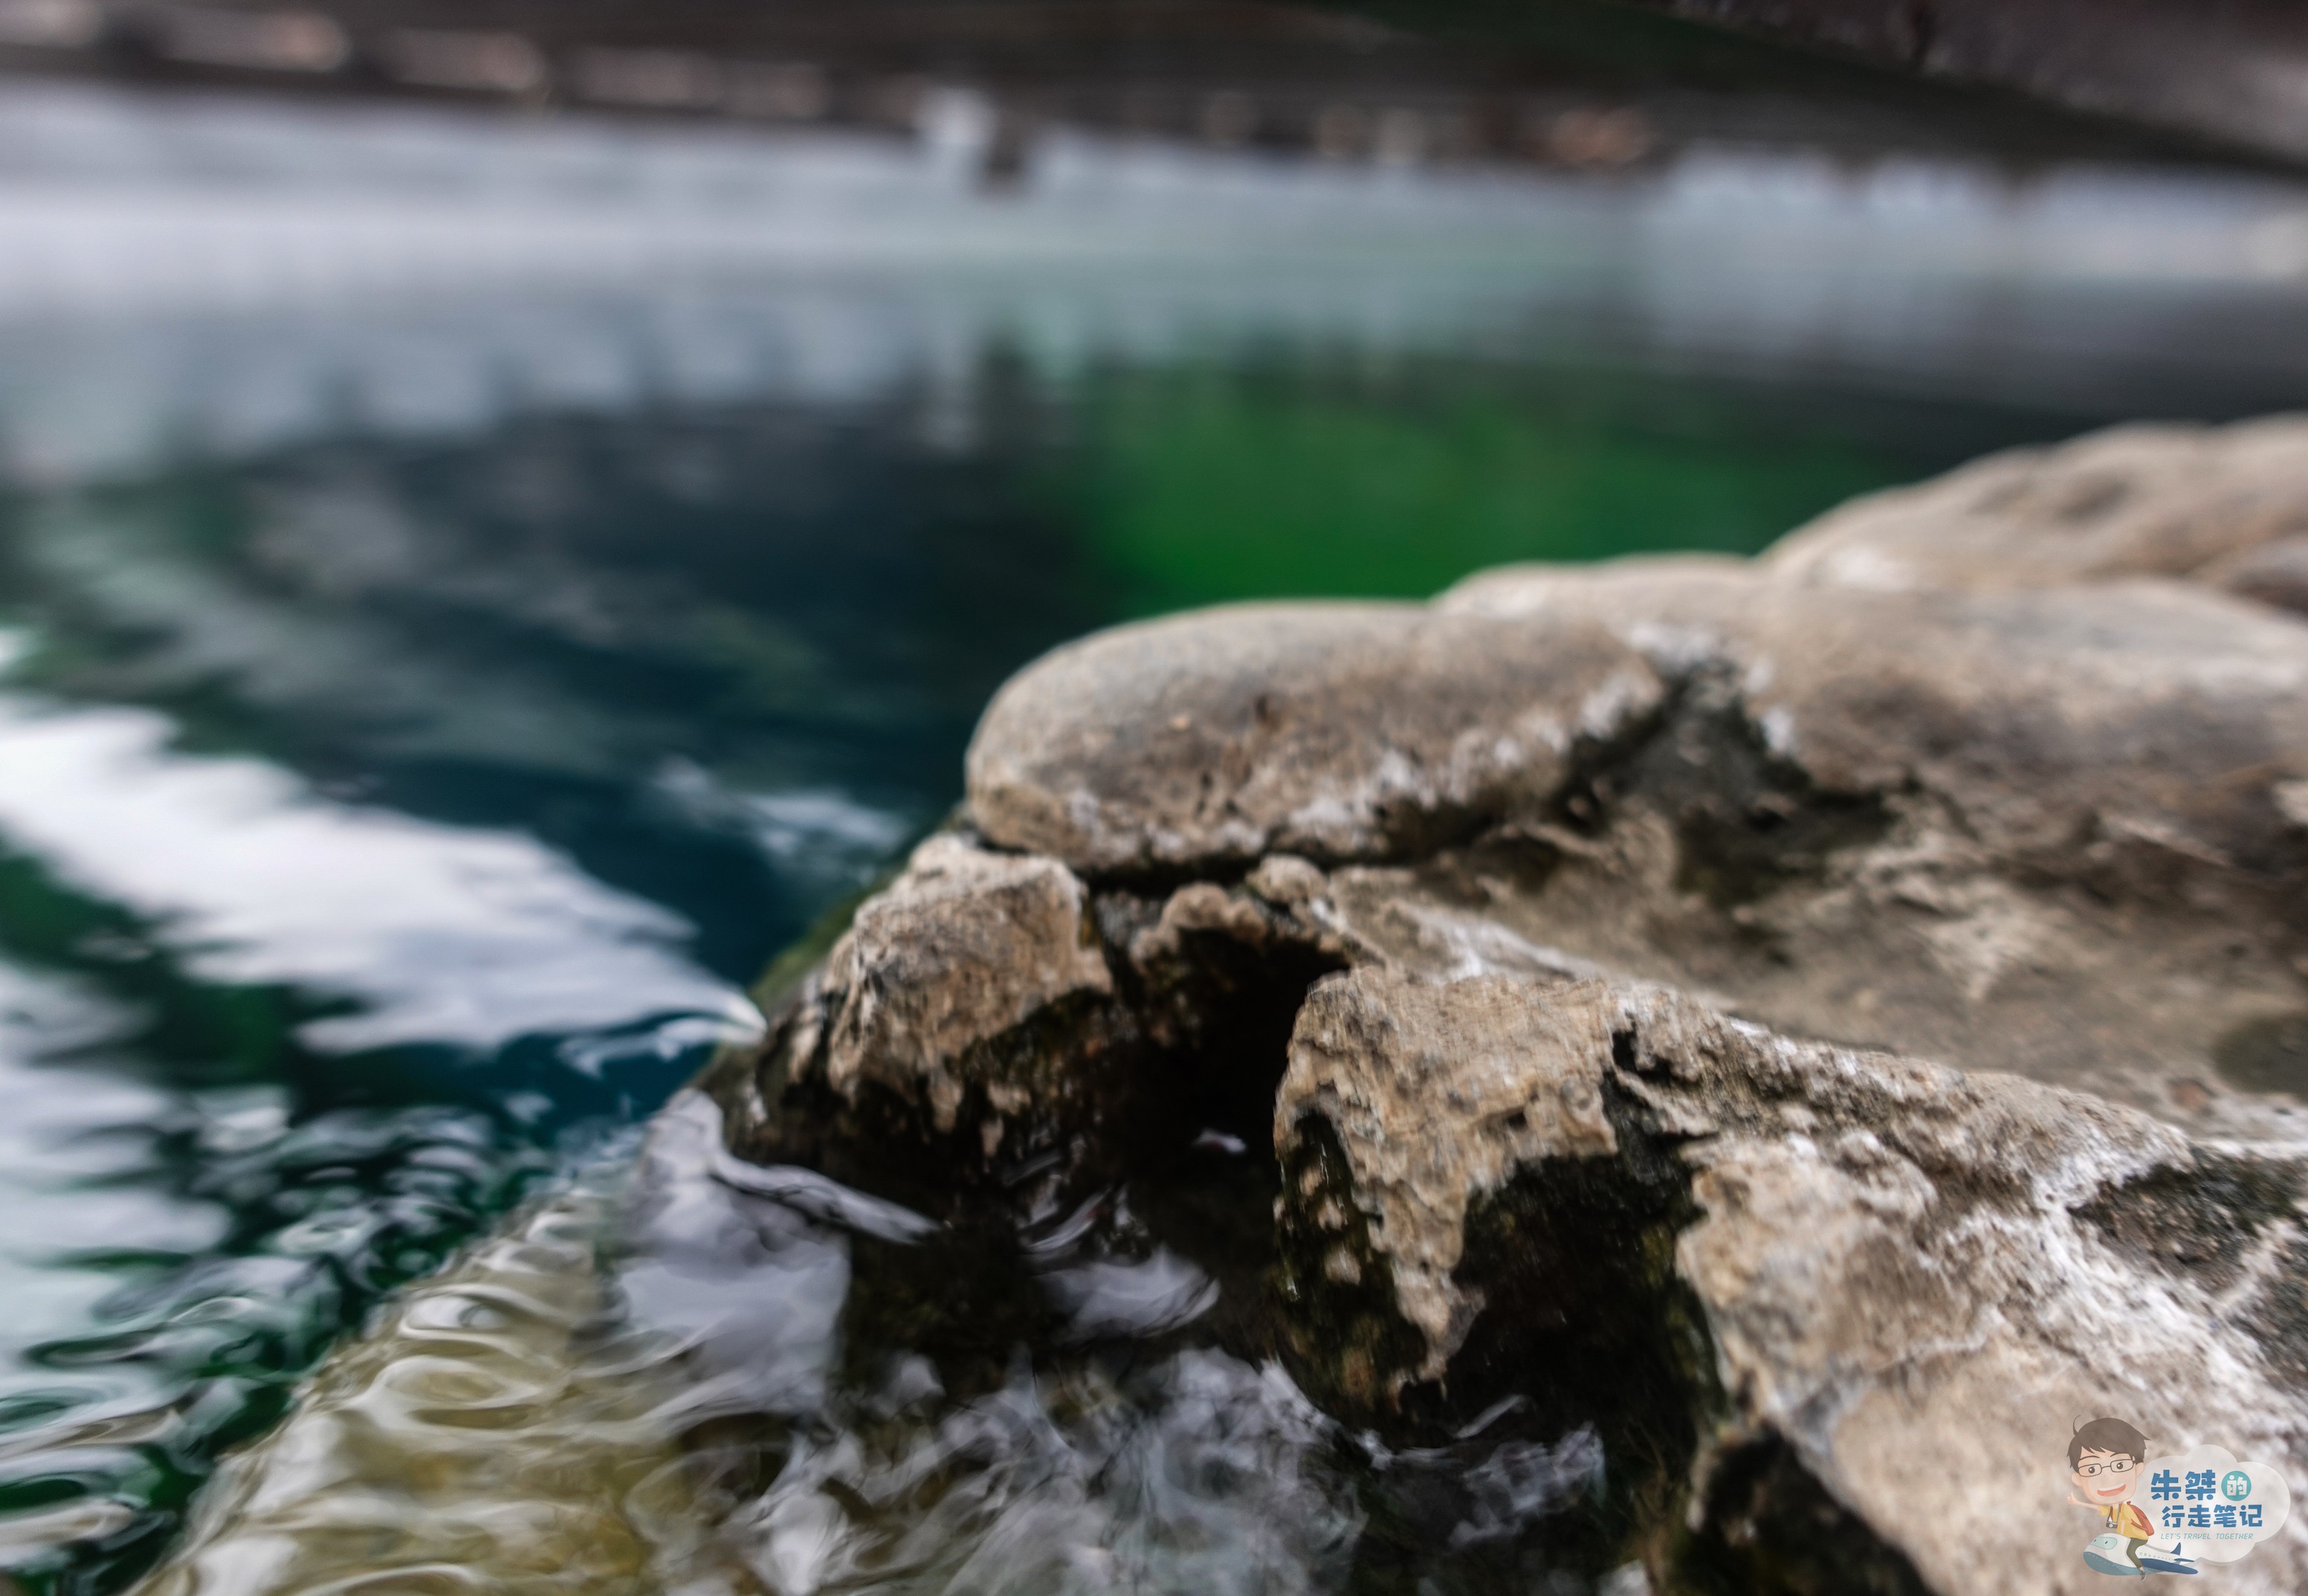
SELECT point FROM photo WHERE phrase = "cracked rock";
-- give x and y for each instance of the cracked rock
(961, 974)
(1596, 924)
(2043, 830)
(1909, 1281)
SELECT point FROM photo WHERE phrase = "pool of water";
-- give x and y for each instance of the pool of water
(437, 675)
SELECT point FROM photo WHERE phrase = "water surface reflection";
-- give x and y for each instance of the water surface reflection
(457, 632)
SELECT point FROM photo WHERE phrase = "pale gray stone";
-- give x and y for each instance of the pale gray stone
(1334, 731)
(1917, 1279)
(2048, 831)
(963, 949)
(2132, 500)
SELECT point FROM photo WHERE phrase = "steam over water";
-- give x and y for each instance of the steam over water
(472, 592)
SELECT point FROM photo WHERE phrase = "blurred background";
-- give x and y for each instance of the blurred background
(509, 510)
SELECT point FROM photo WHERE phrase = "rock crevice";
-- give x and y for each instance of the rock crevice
(1829, 1020)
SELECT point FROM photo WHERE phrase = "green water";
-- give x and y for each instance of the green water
(706, 669)
(395, 803)
(1200, 486)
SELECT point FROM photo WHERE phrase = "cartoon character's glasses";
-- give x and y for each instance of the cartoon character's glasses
(2121, 1465)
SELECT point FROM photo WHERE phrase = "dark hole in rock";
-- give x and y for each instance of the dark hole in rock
(1503, 861)
(2266, 1055)
(1747, 823)
(1584, 1329)
(1769, 1529)
(1583, 1333)
(1076, 1309)
(2199, 1220)
(1216, 1019)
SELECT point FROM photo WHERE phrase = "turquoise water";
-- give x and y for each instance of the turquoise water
(421, 717)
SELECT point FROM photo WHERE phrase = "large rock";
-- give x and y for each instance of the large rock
(1334, 731)
(2136, 501)
(2054, 831)
(1630, 900)
(2057, 829)
(1912, 1280)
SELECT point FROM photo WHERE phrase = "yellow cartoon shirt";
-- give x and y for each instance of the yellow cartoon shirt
(2127, 1521)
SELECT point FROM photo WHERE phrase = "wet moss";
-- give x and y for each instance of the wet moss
(1585, 1320)
(1584, 1316)
(1583, 1324)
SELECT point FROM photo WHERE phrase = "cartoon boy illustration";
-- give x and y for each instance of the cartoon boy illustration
(2104, 1460)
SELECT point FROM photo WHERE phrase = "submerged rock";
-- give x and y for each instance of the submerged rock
(461, 1442)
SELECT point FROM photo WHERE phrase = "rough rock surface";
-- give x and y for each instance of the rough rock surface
(1334, 731)
(2049, 830)
(964, 946)
(1601, 881)
(2056, 830)
(1913, 1278)
(2134, 501)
